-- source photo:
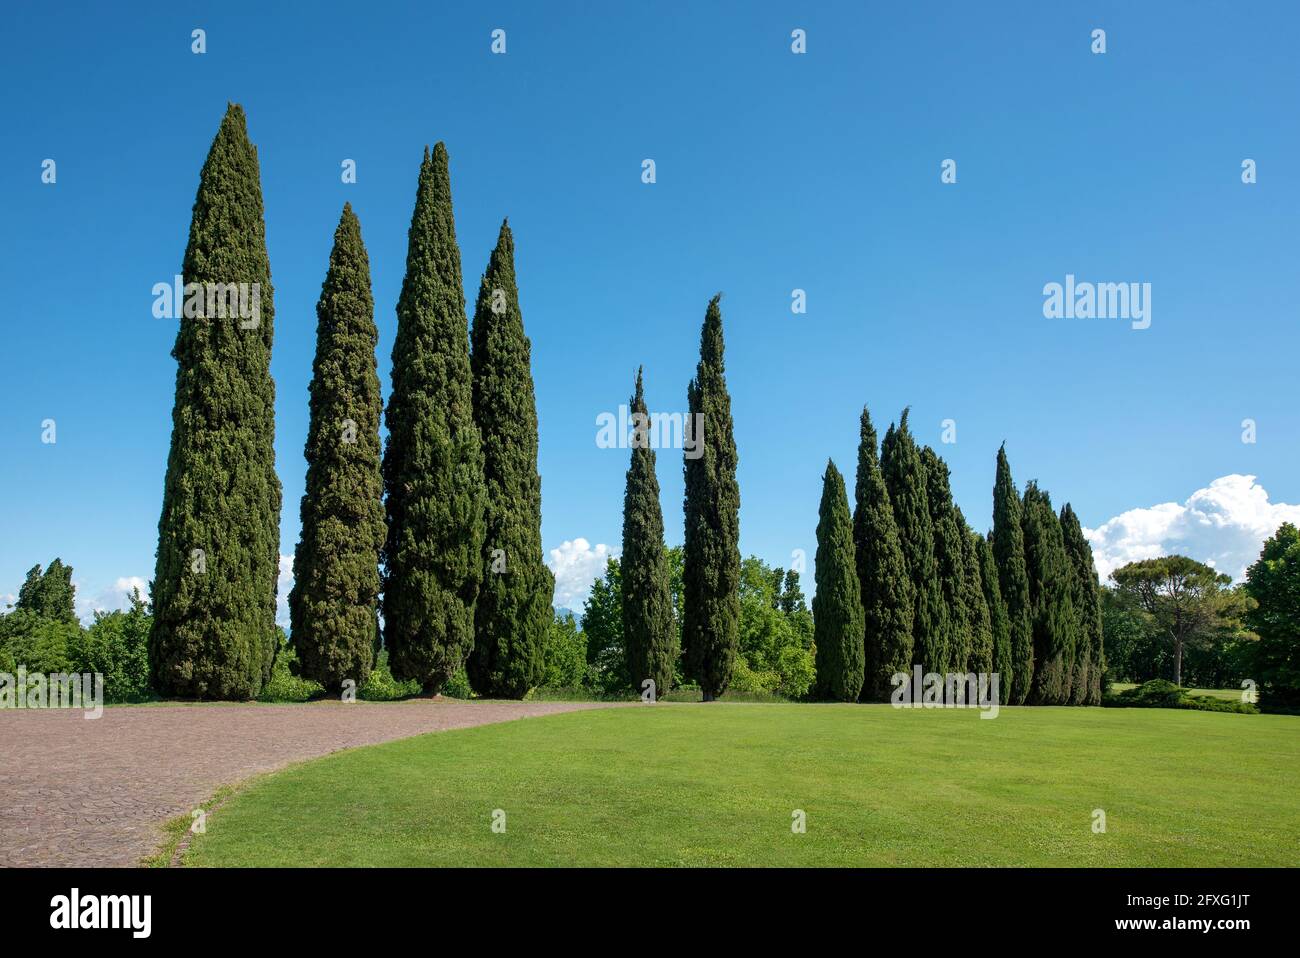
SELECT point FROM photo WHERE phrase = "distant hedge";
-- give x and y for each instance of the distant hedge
(1160, 694)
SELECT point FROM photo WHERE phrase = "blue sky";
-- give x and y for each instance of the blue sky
(775, 171)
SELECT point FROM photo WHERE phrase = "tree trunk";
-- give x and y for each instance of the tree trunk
(1178, 662)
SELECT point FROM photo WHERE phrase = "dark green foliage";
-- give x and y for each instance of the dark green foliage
(838, 620)
(979, 646)
(334, 602)
(48, 594)
(649, 626)
(1008, 542)
(792, 599)
(512, 621)
(1219, 650)
(999, 623)
(214, 634)
(1052, 609)
(888, 595)
(951, 640)
(905, 478)
(1183, 601)
(711, 575)
(1273, 581)
(1088, 658)
(433, 462)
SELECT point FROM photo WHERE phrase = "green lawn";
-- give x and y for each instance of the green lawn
(1232, 695)
(717, 784)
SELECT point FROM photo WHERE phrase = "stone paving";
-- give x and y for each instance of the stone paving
(79, 792)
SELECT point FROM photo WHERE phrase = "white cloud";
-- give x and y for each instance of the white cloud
(577, 564)
(283, 585)
(1223, 525)
(111, 598)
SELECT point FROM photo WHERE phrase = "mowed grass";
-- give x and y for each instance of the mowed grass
(717, 784)
(1230, 695)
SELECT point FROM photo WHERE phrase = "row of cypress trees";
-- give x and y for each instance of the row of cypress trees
(905, 581)
(710, 632)
(450, 511)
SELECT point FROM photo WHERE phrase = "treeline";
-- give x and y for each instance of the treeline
(1175, 619)
(41, 634)
(902, 580)
(774, 653)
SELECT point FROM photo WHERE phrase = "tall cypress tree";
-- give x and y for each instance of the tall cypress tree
(979, 647)
(838, 623)
(887, 593)
(999, 621)
(711, 560)
(649, 628)
(214, 634)
(433, 463)
(905, 478)
(1008, 542)
(951, 640)
(1052, 612)
(334, 602)
(1086, 595)
(513, 615)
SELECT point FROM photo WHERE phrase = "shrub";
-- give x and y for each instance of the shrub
(117, 646)
(457, 686)
(796, 671)
(1160, 694)
(564, 655)
(382, 687)
(284, 686)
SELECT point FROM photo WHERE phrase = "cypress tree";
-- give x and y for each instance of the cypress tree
(905, 478)
(1052, 612)
(951, 641)
(213, 634)
(49, 594)
(711, 560)
(887, 593)
(433, 462)
(999, 621)
(649, 628)
(838, 623)
(1086, 597)
(513, 617)
(1008, 544)
(334, 602)
(979, 618)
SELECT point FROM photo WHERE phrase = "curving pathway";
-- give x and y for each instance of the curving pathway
(78, 792)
